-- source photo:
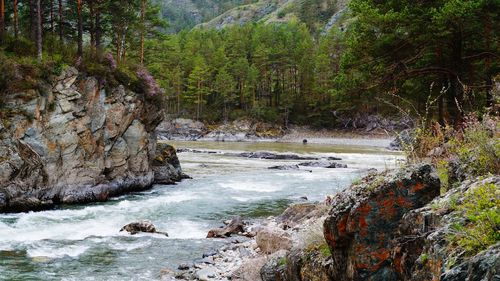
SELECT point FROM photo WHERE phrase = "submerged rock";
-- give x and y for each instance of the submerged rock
(141, 226)
(235, 226)
(274, 156)
(285, 167)
(323, 164)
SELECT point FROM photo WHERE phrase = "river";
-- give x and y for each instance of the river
(84, 242)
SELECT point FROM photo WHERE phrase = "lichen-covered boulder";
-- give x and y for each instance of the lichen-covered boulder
(364, 221)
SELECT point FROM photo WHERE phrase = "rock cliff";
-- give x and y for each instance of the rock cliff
(76, 141)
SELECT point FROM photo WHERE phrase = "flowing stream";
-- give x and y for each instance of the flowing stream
(84, 242)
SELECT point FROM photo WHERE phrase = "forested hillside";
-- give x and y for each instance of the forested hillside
(383, 60)
(436, 59)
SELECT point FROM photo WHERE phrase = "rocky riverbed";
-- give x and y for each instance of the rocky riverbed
(390, 226)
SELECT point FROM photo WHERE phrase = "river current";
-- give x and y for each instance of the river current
(84, 242)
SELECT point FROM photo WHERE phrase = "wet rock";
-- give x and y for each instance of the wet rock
(166, 166)
(236, 226)
(332, 158)
(364, 220)
(274, 156)
(273, 239)
(141, 226)
(285, 167)
(323, 164)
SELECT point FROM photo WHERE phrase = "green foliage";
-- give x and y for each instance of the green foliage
(282, 261)
(324, 250)
(399, 52)
(442, 171)
(480, 206)
(478, 150)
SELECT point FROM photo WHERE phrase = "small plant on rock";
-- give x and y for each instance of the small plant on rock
(481, 208)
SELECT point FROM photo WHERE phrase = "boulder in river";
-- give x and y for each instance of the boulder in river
(166, 166)
(235, 226)
(141, 226)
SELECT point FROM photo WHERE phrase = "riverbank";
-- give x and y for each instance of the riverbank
(395, 234)
(248, 131)
(434, 220)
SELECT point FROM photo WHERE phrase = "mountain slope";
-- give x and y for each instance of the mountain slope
(182, 14)
(315, 13)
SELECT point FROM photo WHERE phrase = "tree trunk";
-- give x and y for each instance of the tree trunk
(456, 92)
(16, 19)
(39, 30)
(98, 28)
(61, 22)
(52, 28)
(80, 28)
(92, 24)
(143, 29)
(33, 20)
(2, 20)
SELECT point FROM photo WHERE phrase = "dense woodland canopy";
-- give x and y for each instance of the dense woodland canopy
(433, 58)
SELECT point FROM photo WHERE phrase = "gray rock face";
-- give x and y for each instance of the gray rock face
(182, 129)
(76, 143)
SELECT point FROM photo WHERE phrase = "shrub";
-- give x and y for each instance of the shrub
(478, 148)
(458, 154)
(480, 207)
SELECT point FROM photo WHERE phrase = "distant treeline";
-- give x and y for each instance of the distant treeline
(434, 58)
